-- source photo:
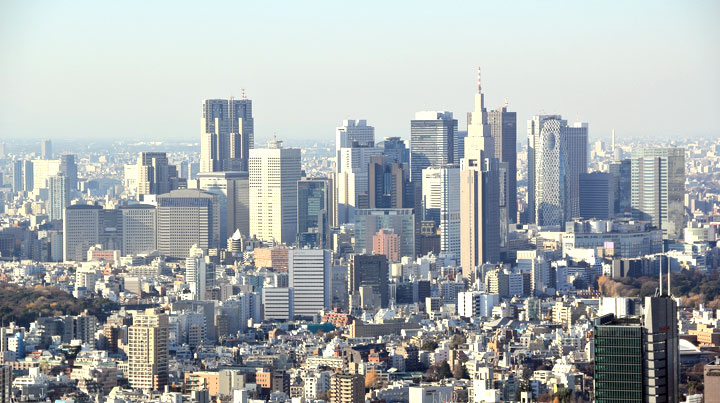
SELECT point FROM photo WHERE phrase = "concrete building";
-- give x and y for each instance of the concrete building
(154, 174)
(369, 271)
(232, 190)
(41, 171)
(148, 354)
(228, 134)
(46, 150)
(315, 211)
(278, 303)
(476, 304)
(81, 230)
(347, 388)
(311, 280)
(185, 218)
(619, 238)
(354, 133)
(139, 223)
(352, 180)
(658, 188)
(274, 173)
(387, 243)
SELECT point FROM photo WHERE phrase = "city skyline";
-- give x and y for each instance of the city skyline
(116, 53)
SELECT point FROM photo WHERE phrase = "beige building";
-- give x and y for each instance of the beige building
(148, 353)
(347, 388)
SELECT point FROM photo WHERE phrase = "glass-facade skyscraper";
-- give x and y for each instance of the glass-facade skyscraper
(432, 141)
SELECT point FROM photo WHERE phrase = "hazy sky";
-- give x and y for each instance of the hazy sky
(140, 69)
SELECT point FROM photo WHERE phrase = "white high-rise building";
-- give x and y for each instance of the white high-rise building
(557, 155)
(278, 303)
(196, 273)
(148, 354)
(232, 191)
(274, 173)
(42, 170)
(310, 279)
(475, 303)
(441, 203)
(139, 224)
(81, 230)
(58, 196)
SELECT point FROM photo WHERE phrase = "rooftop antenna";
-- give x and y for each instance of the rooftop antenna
(478, 83)
(242, 93)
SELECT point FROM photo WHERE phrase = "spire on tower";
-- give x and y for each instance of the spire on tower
(478, 84)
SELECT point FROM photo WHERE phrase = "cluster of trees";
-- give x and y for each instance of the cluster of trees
(692, 286)
(24, 305)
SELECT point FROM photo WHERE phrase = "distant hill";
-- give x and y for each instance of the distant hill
(23, 305)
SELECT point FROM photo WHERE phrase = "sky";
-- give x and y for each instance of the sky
(140, 69)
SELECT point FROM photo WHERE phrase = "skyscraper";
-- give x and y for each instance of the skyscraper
(597, 195)
(139, 224)
(232, 188)
(58, 196)
(432, 141)
(622, 186)
(310, 278)
(388, 184)
(148, 353)
(69, 169)
(369, 270)
(479, 213)
(154, 174)
(395, 150)
(315, 209)
(81, 230)
(46, 151)
(557, 155)
(18, 184)
(196, 273)
(41, 170)
(227, 135)
(354, 133)
(658, 188)
(351, 180)
(185, 218)
(503, 128)
(441, 204)
(274, 173)
(369, 221)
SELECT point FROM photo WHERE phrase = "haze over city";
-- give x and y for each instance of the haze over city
(86, 69)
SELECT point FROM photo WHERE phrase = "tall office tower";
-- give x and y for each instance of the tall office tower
(369, 270)
(351, 180)
(227, 135)
(432, 141)
(46, 151)
(354, 133)
(139, 224)
(5, 384)
(503, 128)
(231, 189)
(622, 186)
(310, 278)
(185, 218)
(196, 273)
(28, 176)
(479, 213)
(395, 150)
(148, 354)
(637, 358)
(18, 183)
(315, 210)
(59, 196)
(274, 173)
(597, 195)
(658, 188)
(41, 171)
(154, 173)
(441, 204)
(69, 169)
(557, 155)
(369, 221)
(81, 230)
(479, 135)
(347, 388)
(389, 184)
